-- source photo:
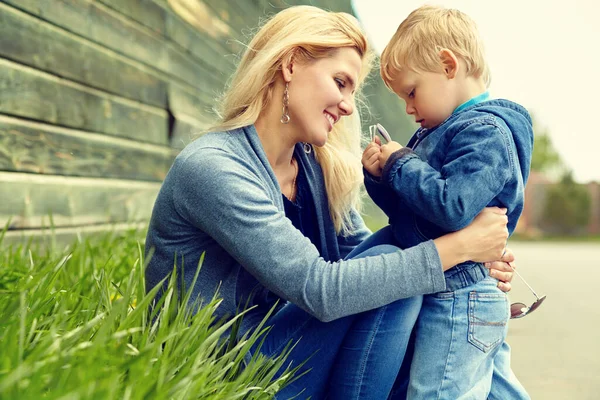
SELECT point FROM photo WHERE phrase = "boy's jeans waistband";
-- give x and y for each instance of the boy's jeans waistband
(464, 275)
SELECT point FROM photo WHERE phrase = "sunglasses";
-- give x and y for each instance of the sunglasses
(519, 310)
(378, 129)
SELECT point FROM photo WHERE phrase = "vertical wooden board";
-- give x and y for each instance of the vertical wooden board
(44, 149)
(38, 44)
(30, 200)
(30, 94)
(145, 12)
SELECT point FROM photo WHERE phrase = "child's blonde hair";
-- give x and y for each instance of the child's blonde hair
(304, 33)
(417, 43)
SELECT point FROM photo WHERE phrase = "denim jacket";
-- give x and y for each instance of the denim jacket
(478, 157)
(221, 199)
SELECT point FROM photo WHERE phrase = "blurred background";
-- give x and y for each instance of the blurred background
(98, 96)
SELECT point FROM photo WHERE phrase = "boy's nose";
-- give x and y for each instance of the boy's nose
(410, 110)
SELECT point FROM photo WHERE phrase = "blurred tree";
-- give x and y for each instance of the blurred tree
(567, 208)
(544, 158)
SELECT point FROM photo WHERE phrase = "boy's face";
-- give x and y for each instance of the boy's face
(430, 97)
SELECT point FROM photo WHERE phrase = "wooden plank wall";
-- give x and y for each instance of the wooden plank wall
(98, 96)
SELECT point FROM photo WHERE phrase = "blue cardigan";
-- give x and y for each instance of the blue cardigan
(221, 198)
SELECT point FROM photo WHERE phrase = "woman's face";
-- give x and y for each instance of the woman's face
(321, 92)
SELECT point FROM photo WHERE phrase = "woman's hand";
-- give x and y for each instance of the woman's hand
(502, 271)
(483, 240)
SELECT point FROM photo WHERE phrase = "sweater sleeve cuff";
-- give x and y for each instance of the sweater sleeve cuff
(396, 160)
(436, 270)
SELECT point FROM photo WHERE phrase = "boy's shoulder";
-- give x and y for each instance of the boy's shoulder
(497, 113)
(494, 110)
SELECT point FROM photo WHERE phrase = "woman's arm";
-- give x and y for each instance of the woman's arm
(483, 240)
(221, 195)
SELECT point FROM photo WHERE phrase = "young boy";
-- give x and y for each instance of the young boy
(470, 152)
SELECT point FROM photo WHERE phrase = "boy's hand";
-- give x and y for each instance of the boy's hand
(370, 157)
(387, 150)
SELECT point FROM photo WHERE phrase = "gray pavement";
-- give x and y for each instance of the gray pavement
(556, 349)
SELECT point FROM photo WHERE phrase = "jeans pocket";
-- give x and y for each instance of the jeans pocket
(488, 316)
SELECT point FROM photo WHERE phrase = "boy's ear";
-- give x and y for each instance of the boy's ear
(449, 63)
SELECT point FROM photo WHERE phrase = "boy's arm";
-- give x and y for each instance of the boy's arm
(477, 166)
(380, 193)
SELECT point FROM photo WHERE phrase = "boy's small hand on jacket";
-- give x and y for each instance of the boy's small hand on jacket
(370, 157)
(386, 151)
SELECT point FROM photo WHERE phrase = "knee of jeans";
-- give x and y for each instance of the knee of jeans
(409, 308)
(377, 250)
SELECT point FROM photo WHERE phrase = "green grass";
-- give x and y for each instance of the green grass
(75, 324)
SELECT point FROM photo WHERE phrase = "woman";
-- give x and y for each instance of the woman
(270, 197)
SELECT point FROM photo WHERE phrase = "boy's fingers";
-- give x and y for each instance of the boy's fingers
(374, 158)
(371, 152)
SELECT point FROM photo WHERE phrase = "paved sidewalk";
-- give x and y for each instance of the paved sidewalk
(556, 349)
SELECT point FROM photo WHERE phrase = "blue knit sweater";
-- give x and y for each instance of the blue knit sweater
(221, 198)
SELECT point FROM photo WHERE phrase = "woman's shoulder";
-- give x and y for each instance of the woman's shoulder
(218, 152)
(206, 141)
(212, 146)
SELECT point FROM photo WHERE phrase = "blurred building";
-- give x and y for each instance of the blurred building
(531, 221)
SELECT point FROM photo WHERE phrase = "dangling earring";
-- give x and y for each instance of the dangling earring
(285, 117)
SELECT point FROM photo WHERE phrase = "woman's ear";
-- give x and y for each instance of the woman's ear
(449, 63)
(287, 68)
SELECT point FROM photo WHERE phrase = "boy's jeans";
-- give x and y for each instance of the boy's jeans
(459, 343)
(459, 336)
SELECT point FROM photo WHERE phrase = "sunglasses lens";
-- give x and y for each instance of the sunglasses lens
(518, 310)
(537, 304)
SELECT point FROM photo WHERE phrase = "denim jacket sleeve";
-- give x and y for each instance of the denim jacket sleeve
(381, 194)
(221, 194)
(476, 167)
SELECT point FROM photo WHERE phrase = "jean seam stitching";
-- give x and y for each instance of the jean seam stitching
(370, 346)
(439, 393)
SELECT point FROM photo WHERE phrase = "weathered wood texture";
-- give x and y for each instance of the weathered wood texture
(45, 149)
(34, 200)
(98, 96)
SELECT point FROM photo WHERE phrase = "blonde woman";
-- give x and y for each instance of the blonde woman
(270, 197)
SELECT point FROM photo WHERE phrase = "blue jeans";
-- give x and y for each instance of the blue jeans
(355, 357)
(458, 337)
(459, 341)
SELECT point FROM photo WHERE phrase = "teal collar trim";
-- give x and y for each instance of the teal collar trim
(477, 99)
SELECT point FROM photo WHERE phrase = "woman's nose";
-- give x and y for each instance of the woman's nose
(346, 107)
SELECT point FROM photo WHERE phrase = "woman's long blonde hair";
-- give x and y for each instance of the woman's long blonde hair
(305, 33)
